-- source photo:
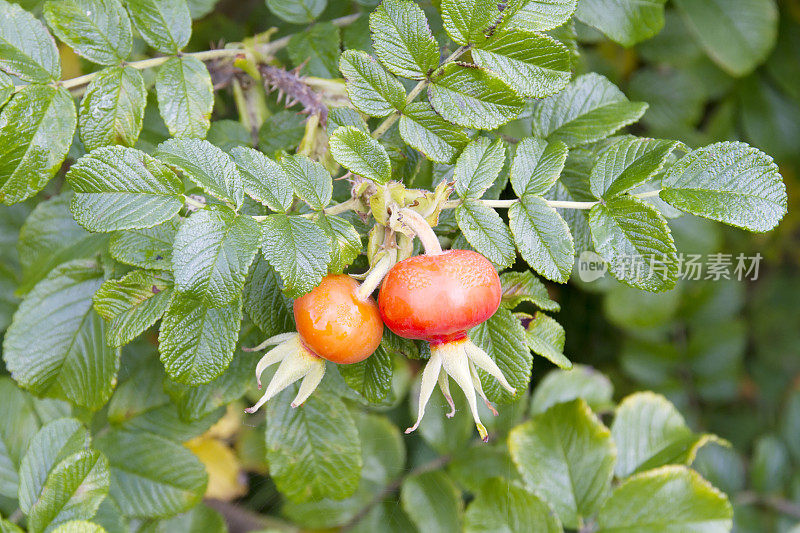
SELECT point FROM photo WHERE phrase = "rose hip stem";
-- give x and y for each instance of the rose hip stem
(415, 222)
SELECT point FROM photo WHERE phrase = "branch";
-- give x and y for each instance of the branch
(558, 204)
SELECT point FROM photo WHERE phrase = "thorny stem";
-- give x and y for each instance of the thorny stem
(384, 126)
(414, 221)
(377, 274)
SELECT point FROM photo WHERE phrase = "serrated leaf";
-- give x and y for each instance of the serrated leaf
(535, 65)
(542, 237)
(6, 88)
(582, 381)
(403, 40)
(313, 451)
(166, 25)
(524, 286)
(36, 131)
(145, 248)
(546, 337)
(98, 30)
(122, 188)
(26, 48)
(51, 237)
(345, 116)
(311, 181)
(372, 377)
(730, 182)
(650, 432)
(212, 252)
(263, 179)
(264, 301)
(16, 433)
(422, 128)
(624, 22)
(112, 110)
(503, 338)
(666, 500)
(298, 249)
(132, 304)
(185, 96)
(206, 165)
(150, 475)
(627, 163)
(737, 34)
(56, 344)
(196, 342)
(361, 154)
(502, 505)
(635, 241)
(536, 166)
(297, 11)
(468, 21)
(316, 49)
(345, 241)
(433, 502)
(486, 232)
(590, 108)
(372, 90)
(478, 166)
(566, 454)
(537, 15)
(473, 97)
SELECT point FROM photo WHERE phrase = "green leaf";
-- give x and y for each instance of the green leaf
(473, 97)
(737, 34)
(666, 500)
(635, 241)
(51, 237)
(650, 432)
(298, 249)
(361, 154)
(122, 188)
(468, 21)
(345, 116)
(316, 49)
(263, 179)
(627, 163)
(266, 304)
(98, 30)
(311, 181)
(345, 241)
(206, 165)
(166, 25)
(503, 338)
(199, 519)
(145, 248)
(422, 128)
(36, 131)
(771, 465)
(478, 166)
(282, 131)
(372, 90)
(536, 166)
(112, 110)
(185, 96)
(372, 377)
(313, 451)
(535, 65)
(582, 381)
(79, 526)
(486, 232)
(433, 502)
(26, 48)
(590, 108)
(201, 8)
(542, 237)
(546, 337)
(503, 506)
(18, 429)
(624, 22)
(730, 182)
(56, 344)
(197, 343)
(150, 475)
(297, 11)
(537, 15)
(566, 454)
(524, 286)
(132, 304)
(403, 40)
(212, 253)
(6, 88)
